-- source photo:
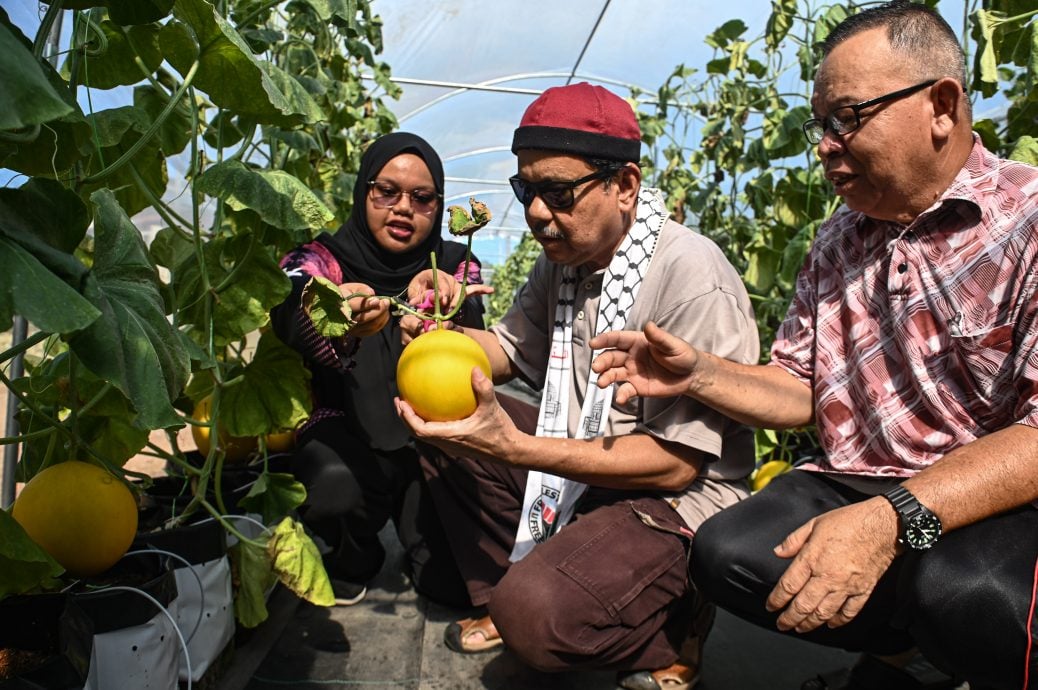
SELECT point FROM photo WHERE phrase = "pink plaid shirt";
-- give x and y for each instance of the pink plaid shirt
(919, 339)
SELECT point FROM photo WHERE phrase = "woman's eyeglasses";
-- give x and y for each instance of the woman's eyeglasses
(556, 194)
(386, 195)
(847, 118)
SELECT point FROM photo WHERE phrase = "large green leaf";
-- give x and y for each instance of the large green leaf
(280, 199)
(274, 495)
(131, 344)
(244, 303)
(780, 22)
(255, 577)
(24, 564)
(1025, 150)
(228, 72)
(124, 11)
(116, 66)
(329, 312)
(27, 94)
(30, 289)
(985, 66)
(46, 209)
(297, 563)
(271, 393)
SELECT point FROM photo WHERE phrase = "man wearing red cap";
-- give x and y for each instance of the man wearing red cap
(572, 523)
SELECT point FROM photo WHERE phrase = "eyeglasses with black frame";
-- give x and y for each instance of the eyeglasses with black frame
(557, 195)
(387, 195)
(847, 118)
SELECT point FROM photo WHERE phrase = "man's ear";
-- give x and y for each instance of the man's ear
(628, 184)
(947, 98)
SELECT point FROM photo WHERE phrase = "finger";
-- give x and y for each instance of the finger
(795, 541)
(789, 585)
(609, 366)
(803, 605)
(482, 386)
(613, 339)
(478, 289)
(407, 413)
(824, 612)
(849, 611)
(624, 392)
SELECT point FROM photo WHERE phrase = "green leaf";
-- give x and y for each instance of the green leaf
(175, 132)
(31, 289)
(763, 265)
(1025, 150)
(228, 71)
(26, 566)
(279, 198)
(138, 11)
(46, 209)
(26, 92)
(988, 131)
(116, 66)
(298, 564)
(328, 310)
(244, 302)
(274, 495)
(985, 70)
(132, 344)
(272, 392)
(780, 22)
(729, 31)
(255, 577)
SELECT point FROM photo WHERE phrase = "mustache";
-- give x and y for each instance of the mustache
(546, 232)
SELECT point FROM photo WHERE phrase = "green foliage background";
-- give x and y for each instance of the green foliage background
(262, 104)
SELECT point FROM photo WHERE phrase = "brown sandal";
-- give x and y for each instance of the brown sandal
(472, 636)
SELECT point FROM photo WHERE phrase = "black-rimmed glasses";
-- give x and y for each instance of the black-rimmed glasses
(556, 194)
(387, 195)
(847, 118)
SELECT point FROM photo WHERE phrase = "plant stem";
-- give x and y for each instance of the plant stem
(23, 346)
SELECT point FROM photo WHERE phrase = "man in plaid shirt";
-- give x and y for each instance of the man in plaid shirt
(912, 345)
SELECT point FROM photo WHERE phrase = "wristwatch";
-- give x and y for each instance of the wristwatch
(918, 527)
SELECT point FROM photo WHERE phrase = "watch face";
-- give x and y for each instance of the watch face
(922, 531)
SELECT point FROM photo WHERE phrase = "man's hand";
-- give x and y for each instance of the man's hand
(838, 558)
(485, 434)
(371, 314)
(653, 363)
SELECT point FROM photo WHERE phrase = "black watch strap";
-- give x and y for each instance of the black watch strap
(918, 527)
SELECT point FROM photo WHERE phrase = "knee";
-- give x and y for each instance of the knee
(331, 488)
(730, 562)
(528, 613)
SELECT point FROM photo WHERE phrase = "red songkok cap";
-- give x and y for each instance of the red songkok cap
(582, 119)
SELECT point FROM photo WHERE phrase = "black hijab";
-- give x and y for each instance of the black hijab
(366, 392)
(362, 258)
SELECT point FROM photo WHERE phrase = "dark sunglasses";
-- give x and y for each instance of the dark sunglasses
(387, 195)
(847, 118)
(556, 194)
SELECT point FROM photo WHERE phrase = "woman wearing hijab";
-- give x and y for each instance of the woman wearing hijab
(354, 455)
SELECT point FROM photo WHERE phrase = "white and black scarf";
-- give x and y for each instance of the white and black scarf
(549, 500)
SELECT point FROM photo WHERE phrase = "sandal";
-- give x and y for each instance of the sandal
(472, 636)
(675, 677)
(869, 673)
(684, 673)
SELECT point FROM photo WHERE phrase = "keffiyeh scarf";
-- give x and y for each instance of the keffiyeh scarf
(549, 500)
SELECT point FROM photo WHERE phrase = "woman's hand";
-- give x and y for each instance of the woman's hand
(371, 314)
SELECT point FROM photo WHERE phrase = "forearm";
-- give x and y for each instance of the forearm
(756, 395)
(991, 475)
(500, 365)
(635, 461)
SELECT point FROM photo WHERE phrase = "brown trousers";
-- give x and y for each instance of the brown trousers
(607, 591)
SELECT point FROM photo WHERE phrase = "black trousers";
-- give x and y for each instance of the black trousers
(353, 490)
(967, 603)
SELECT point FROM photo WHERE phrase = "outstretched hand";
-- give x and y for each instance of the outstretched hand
(652, 363)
